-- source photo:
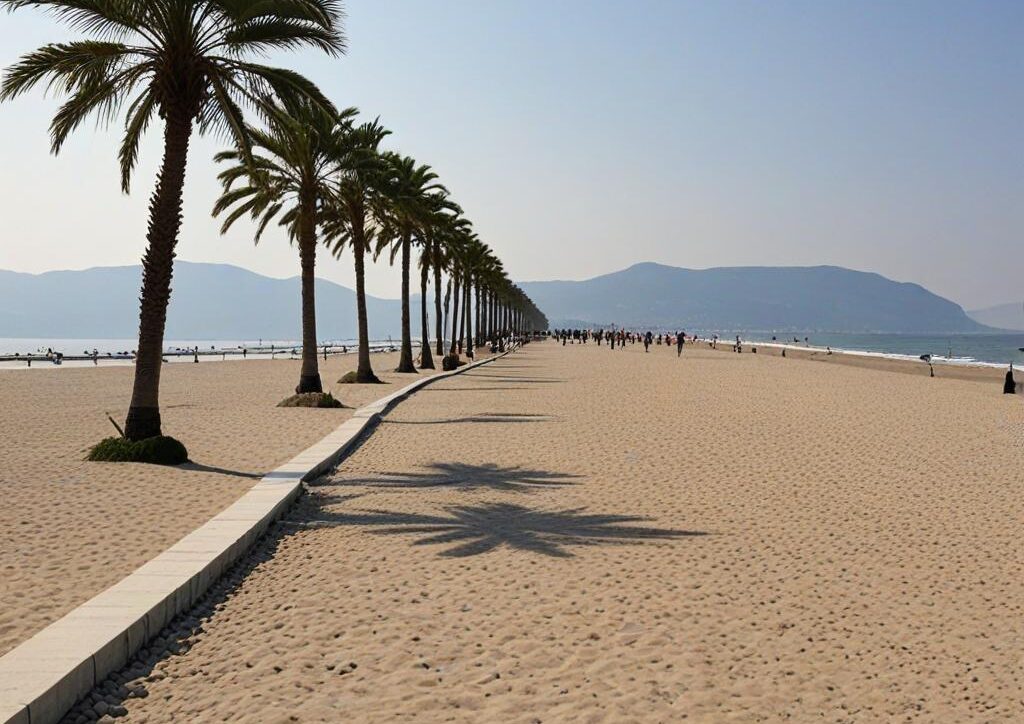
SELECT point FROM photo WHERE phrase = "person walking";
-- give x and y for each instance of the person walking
(680, 339)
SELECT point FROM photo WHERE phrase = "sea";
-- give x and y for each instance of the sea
(118, 351)
(994, 350)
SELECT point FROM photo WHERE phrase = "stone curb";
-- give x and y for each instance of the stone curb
(43, 677)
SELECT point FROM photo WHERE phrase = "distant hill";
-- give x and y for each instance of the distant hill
(219, 301)
(1003, 316)
(811, 299)
(208, 301)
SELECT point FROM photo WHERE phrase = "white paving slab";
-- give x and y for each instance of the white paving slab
(42, 678)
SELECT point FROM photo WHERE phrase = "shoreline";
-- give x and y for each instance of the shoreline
(875, 354)
(178, 356)
(973, 372)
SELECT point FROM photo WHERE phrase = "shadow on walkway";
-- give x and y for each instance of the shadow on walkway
(508, 378)
(472, 389)
(489, 476)
(483, 528)
(485, 417)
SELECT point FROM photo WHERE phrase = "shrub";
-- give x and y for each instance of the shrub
(352, 378)
(311, 399)
(160, 450)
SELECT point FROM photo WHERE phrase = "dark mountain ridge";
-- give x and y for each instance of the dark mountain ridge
(812, 299)
(219, 301)
(208, 301)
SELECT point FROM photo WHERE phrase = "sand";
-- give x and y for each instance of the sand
(70, 528)
(576, 534)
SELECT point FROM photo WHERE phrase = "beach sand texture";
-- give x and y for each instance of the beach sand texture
(69, 528)
(576, 534)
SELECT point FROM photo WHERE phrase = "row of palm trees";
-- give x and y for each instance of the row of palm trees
(303, 164)
(323, 176)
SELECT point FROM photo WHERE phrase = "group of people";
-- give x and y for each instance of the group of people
(622, 337)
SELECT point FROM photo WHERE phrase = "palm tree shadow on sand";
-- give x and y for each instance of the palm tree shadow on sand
(484, 417)
(480, 529)
(460, 476)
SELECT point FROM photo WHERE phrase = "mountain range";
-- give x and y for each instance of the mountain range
(208, 301)
(812, 299)
(219, 301)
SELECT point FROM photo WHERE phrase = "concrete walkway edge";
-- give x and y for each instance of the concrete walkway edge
(44, 676)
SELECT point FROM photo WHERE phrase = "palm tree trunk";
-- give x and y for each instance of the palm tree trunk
(476, 312)
(488, 303)
(462, 313)
(481, 314)
(364, 371)
(455, 311)
(405, 363)
(494, 316)
(426, 360)
(483, 332)
(438, 324)
(309, 377)
(143, 420)
(447, 302)
(469, 317)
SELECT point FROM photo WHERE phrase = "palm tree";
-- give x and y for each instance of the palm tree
(456, 251)
(351, 219)
(287, 175)
(183, 61)
(433, 226)
(487, 270)
(446, 237)
(411, 189)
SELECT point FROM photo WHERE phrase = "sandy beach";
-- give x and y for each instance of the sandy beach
(576, 534)
(70, 528)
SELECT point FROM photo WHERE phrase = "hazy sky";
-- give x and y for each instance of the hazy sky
(582, 136)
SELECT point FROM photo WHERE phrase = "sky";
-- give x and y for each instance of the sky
(582, 136)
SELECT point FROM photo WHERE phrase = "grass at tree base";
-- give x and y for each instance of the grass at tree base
(160, 450)
(311, 399)
(352, 378)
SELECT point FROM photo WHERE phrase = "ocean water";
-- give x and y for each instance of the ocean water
(15, 345)
(971, 349)
(209, 349)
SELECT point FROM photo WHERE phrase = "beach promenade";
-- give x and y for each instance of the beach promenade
(577, 534)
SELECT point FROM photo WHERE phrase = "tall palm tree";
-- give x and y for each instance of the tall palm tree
(488, 269)
(444, 238)
(411, 189)
(288, 175)
(435, 223)
(184, 61)
(457, 244)
(495, 275)
(352, 219)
